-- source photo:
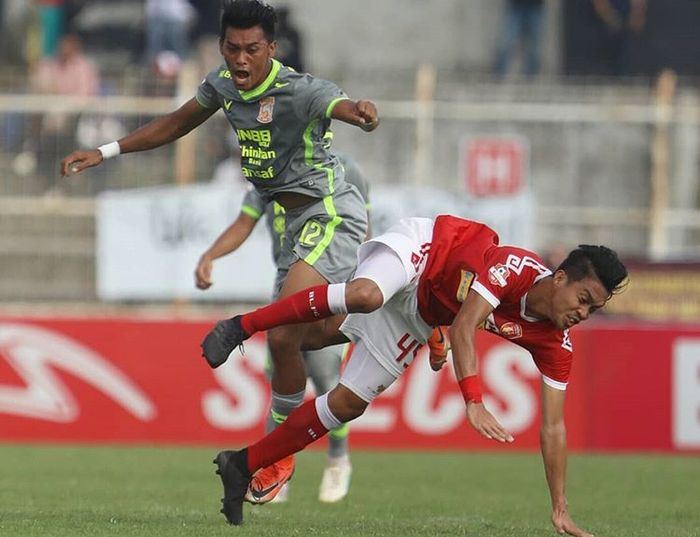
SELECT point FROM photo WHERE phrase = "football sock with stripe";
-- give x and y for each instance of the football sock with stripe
(302, 427)
(308, 305)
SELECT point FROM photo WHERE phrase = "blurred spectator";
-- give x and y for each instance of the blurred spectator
(167, 27)
(554, 255)
(166, 66)
(69, 73)
(52, 19)
(15, 31)
(623, 20)
(289, 41)
(521, 30)
(72, 10)
(113, 32)
(206, 34)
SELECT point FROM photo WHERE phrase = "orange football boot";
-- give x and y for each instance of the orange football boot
(267, 482)
(439, 347)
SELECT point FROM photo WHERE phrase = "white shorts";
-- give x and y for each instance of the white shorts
(364, 375)
(394, 333)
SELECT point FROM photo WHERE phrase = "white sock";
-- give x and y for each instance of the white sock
(325, 416)
(336, 298)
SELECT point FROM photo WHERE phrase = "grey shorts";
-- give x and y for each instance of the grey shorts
(326, 235)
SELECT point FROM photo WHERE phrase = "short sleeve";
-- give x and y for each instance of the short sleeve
(253, 204)
(554, 361)
(207, 96)
(315, 98)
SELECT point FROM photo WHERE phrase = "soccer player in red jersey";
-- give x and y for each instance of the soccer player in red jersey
(422, 274)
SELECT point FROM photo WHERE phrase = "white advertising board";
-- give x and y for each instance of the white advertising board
(149, 240)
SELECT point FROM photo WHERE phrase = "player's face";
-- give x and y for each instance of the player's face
(575, 301)
(248, 56)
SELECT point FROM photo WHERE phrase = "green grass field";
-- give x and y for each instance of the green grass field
(98, 491)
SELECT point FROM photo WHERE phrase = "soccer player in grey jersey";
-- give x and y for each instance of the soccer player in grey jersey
(322, 366)
(280, 117)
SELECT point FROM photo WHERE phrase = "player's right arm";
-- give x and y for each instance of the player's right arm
(235, 235)
(360, 113)
(553, 447)
(155, 133)
(473, 313)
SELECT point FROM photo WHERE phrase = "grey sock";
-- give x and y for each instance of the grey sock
(282, 406)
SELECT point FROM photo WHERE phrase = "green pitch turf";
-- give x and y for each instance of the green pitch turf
(98, 491)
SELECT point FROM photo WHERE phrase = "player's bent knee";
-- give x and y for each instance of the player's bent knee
(363, 296)
(285, 338)
(345, 405)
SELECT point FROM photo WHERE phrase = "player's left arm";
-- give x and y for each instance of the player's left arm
(553, 446)
(472, 314)
(229, 241)
(361, 113)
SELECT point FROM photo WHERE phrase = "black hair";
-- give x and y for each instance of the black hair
(599, 261)
(246, 14)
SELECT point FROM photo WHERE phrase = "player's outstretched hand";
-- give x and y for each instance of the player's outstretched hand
(561, 520)
(483, 421)
(77, 161)
(202, 274)
(366, 115)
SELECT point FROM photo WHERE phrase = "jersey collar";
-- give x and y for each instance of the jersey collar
(262, 88)
(523, 301)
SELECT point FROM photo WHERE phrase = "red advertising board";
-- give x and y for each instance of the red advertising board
(115, 380)
(494, 166)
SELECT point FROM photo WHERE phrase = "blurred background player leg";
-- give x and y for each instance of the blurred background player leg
(323, 367)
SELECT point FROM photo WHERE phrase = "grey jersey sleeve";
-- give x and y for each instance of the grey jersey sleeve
(207, 95)
(315, 98)
(253, 204)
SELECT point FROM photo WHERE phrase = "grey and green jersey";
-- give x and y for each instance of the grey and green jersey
(280, 127)
(255, 206)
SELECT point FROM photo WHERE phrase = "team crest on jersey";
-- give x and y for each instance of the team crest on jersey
(266, 106)
(498, 275)
(511, 330)
(465, 283)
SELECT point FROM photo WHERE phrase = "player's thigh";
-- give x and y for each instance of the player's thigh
(364, 375)
(393, 334)
(327, 234)
(300, 276)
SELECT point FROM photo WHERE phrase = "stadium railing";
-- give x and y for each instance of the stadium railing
(607, 164)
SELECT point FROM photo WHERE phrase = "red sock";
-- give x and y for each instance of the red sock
(307, 305)
(300, 429)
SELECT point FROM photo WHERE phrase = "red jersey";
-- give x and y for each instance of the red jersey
(465, 255)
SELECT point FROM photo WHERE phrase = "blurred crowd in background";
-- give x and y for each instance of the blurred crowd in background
(85, 48)
(79, 48)
(156, 34)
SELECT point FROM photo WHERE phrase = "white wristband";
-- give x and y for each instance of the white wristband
(110, 150)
